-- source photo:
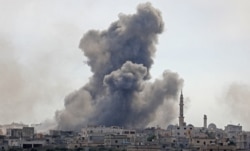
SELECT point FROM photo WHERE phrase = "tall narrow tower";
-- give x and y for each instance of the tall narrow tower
(205, 121)
(181, 117)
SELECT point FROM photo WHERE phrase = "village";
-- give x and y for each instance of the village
(179, 137)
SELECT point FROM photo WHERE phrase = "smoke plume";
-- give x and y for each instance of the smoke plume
(236, 101)
(119, 92)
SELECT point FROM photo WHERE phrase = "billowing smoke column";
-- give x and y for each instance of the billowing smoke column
(119, 92)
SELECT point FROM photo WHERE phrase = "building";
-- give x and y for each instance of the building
(144, 148)
(25, 132)
(116, 141)
(243, 141)
(14, 132)
(25, 144)
(12, 126)
(201, 142)
(101, 130)
(217, 148)
(95, 135)
(28, 132)
(232, 131)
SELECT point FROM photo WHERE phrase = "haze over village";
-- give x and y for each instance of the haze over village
(164, 75)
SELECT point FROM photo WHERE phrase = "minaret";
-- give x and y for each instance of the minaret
(205, 121)
(181, 117)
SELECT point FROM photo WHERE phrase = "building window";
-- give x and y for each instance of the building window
(116, 141)
(198, 141)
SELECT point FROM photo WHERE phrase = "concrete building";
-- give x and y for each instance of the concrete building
(181, 131)
(25, 132)
(243, 141)
(28, 132)
(25, 144)
(76, 142)
(116, 141)
(3, 142)
(95, 135)
(95, 139)
(12, 126)
(201, 142)
(232, 131)
(144, 148)
(14, 143)
(14, 132)
(217, 148)
(101, 130)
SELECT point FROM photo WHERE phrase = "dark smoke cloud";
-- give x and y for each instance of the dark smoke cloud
(119, 92)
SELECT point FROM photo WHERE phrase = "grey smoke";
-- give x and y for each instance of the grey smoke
(236, 101)
(24, 83)
(119, 92)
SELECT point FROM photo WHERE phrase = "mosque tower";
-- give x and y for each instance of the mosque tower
(181, 117)
(205, 121)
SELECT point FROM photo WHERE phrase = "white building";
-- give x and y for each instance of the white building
(92, 130)
(116, 141)
(181, 131)
(243, 141)
(32, 143)
(96, 134)
(201, 142)
(12, 126)
(232, 131)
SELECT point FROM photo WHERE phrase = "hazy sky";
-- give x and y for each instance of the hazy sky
(206, 42)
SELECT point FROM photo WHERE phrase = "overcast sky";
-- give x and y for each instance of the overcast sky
(206, 42)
